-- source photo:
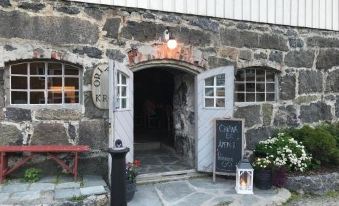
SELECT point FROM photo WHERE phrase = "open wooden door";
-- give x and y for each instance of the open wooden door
(121, 106)
(214, 99)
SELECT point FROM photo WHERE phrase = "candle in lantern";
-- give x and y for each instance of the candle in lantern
(243, 182)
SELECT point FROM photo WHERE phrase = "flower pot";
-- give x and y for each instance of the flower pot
(263, 179)
(130, 189)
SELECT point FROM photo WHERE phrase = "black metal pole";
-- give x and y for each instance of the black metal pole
(118, 176)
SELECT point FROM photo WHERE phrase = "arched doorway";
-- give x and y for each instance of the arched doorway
(164, 119)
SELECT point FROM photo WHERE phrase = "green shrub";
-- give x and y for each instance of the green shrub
(32, 175)
(319, 142)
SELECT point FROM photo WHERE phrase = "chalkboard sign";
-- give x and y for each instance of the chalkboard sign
(228, 145)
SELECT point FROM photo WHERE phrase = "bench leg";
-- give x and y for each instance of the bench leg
(75, 166)
(3, 166)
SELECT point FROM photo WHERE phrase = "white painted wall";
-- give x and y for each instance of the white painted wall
(322, 14)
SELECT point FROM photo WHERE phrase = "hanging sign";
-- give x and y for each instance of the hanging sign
(100, 87)
(228, 145)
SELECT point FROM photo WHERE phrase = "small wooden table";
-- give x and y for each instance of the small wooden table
(49, 150)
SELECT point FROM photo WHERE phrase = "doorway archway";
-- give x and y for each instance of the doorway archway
(164, 116)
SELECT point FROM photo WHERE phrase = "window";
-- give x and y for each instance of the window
(255, 85)
(122, 100)
(37, 83)
(215, 91)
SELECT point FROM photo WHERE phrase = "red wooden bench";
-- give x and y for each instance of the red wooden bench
(50, 150)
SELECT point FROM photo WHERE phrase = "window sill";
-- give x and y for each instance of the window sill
(50, 106)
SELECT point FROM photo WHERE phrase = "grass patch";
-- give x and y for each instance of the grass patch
(78, 198)
(332, 194)
(294, 197)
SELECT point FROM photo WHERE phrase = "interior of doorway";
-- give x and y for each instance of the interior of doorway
(154, 133)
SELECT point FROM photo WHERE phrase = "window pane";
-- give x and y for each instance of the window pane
(270, 97)
(19, 97)
(71, 83)
(19, 69)
(123, 79)
(240, 87)
(54, 69)
(269, 76)
(209, 81)
(209, 92)
(250, 87)
(37, 68)
(55, 83)
(240, 76)
(260, 97)
(18, 82)
(123, 91)
(260, 75)
(54, 97)
(250, 97)
(209, 102)
(260, 87)
(124, 103)
(220, 102)
(37, 83)
(221, 80)
(240, 97)
(37, 98)
(118, 80)
(220, 92)
(71, 97)
(270, 87)
(250, 74)
(70, 70)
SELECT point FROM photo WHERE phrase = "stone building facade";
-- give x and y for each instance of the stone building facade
(304, 60)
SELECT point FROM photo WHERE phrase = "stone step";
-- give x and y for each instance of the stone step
(168, 176)
(147, 146)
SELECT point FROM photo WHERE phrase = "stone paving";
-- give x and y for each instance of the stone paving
(160, 160)
(203, 192)
(50, 190)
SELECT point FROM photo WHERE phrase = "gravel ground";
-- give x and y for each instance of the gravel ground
(326, 200)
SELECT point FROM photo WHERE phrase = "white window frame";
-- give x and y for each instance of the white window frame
(265, 82)
(214, 97)
(45, 90)
(119, 87)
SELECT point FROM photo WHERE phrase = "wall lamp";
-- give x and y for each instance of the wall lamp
(171, 42)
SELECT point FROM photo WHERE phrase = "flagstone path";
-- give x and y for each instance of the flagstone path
(203, 192)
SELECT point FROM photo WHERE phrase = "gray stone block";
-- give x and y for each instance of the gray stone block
(286, 116)
(57, 114)
(296, 43)
(15, 187)
(251, 114)
(5, 3)
(91, 52)
(115, 54)
(68, 9)
(322, 42)
(253, 136)
(174, 191)
(245, 55)
(41, 186)
(112, 26)
(34, 6)
(214, 62)
(267, 111)
(19, 197)
(332, 82)
(315, 112)
(93, 133)
(20, 25)
(194, 199)
(287, 87)
(327, 58)
(91, 180)
(310, 82)
(276, 56)
(66, 193)
(44, 131)
(67, 185)
(10, 135)
(18, 114)
(4, 197)
(205, 23)
(94, 190)
(300, 58)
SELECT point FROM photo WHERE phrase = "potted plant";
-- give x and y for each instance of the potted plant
(263, 173)
(131, 174)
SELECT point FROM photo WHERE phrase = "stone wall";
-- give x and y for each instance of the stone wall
(306, 61)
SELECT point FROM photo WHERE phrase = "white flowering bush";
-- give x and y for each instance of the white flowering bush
(283, 151)
(262, 163)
